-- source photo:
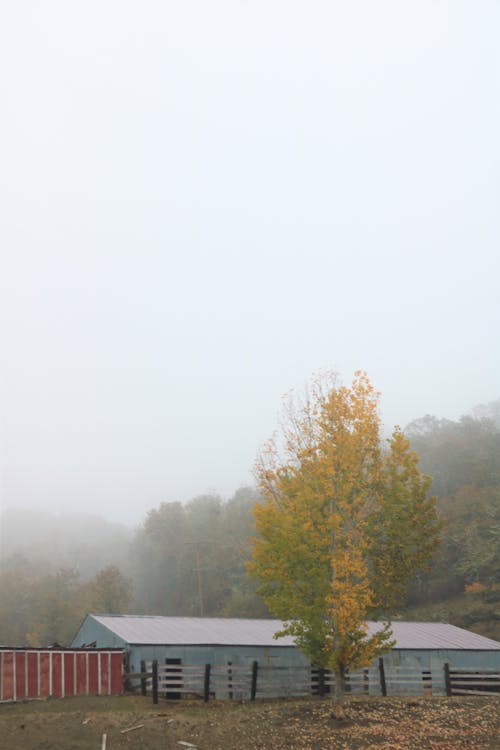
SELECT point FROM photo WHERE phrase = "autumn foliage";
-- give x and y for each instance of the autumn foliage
(343, 525)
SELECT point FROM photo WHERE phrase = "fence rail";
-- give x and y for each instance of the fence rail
(255, 681)
(473, 682)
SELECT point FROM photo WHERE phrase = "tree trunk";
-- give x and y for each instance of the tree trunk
(338, 695)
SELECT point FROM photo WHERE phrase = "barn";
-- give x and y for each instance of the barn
(188, 641)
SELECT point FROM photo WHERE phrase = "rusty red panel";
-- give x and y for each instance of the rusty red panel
(8, 676)
(20, 659)
(104, 672)
(40, 674)
(93, 674)
(81, 674)
(32, 675)
(57, 675)
(69, 673)
(44, 674)
(116, 673)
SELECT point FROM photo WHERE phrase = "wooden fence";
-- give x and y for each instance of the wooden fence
(256, 681)
(42, 673)
(27, 674)
(471, 681)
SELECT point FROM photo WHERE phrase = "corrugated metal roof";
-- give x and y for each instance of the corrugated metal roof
(188, 631)
(436, 635)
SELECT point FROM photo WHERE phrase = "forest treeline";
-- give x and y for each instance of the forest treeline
(189, 559)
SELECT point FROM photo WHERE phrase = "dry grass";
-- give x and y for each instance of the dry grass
(381, 724)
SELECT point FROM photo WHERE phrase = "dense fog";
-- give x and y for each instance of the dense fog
(204, 204)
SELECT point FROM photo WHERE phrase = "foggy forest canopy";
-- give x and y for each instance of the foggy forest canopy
(190, 559)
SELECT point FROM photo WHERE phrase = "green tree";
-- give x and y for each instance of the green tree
(58, 603)
(472, 538)
(333, 520)
(109, 592)
(464, 459)
(190, 559)
(157, 561)
(16, 605)
(457, 453)
(399, 542)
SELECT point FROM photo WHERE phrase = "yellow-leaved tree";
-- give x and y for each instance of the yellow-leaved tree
(343, 526)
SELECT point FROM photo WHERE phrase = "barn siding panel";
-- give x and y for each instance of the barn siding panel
(32, 674)
(57, 676)
(93, 674)
(69, 674)
(8, 676)
(104, 674)
(20, 675)
(45, 676)
(116, 672)
(81, 674)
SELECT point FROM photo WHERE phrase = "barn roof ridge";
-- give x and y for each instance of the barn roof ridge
(238, 631)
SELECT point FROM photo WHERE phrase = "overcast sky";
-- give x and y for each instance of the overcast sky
(203, 203)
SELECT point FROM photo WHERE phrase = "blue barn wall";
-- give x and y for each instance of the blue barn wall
(91, 631)
(433, 660)
(218, 655)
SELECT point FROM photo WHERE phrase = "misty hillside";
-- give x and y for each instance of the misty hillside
(84, 542)
(189, 559)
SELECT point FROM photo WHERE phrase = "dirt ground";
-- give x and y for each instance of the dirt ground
(383, 724)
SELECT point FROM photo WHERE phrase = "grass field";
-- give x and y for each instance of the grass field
(382, 724)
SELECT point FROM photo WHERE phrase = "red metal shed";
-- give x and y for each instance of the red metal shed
(31, 673)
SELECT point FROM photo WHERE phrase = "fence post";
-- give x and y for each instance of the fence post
(206, 684)
(230, 680)
(126, 669)
(143, 679)
(253, 689)
(381, 669)
(155, 682)
(321, 681)
(427, 681)
(447, 679)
